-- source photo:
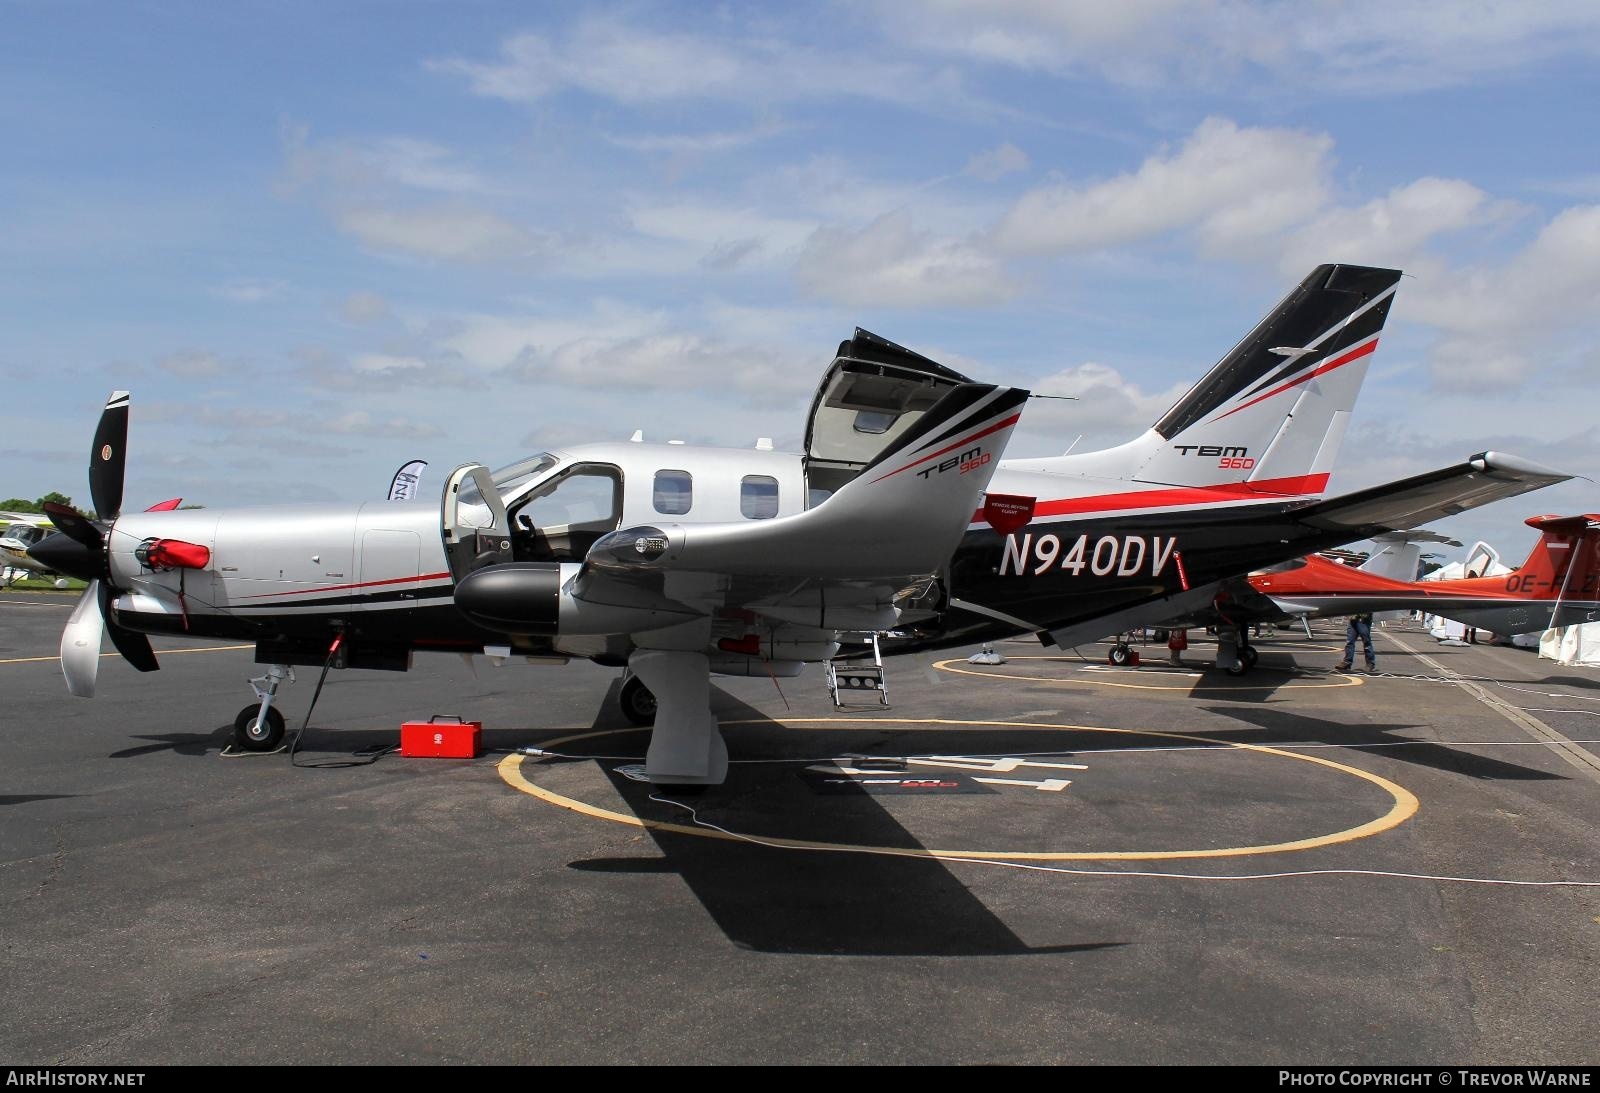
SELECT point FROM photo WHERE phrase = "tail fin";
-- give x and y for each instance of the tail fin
(1273, 411)
(1565, 563)
(1399, 553)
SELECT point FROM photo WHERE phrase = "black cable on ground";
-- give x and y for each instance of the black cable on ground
(361, 757)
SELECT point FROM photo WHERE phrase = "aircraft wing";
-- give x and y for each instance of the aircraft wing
(844, 564)
(1409, 502)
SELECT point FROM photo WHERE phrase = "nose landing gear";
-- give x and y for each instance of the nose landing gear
(259, 727)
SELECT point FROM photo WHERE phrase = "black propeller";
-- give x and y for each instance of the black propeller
(108, 460)
(81, 550)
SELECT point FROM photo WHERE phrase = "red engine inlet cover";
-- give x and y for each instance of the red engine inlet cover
(172, 554)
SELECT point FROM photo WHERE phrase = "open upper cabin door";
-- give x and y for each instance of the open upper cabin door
(870, 396)
(477, 531)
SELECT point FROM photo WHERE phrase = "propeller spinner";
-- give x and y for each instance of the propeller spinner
(79, 549)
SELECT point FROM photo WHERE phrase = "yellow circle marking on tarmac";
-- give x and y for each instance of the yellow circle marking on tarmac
(1189, 680)
(1405, 803)
(162, 652)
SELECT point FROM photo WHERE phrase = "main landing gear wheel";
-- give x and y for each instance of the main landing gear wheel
(638, 704)
(1247, 660)
(251, 735)
(1122, 654)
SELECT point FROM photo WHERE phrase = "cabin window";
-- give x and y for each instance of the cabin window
(874, 422)
(758, 496)
(674, 492)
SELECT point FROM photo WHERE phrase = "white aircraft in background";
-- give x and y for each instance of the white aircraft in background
(20, 531)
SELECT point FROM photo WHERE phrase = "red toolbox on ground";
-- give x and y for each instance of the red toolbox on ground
(440, 737)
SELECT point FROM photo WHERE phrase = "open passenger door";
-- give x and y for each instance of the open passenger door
(476, 530)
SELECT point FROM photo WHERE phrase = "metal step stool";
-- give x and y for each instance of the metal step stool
(857, 685)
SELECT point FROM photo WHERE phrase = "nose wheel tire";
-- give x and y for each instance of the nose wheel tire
(251, 735)
(638, 704)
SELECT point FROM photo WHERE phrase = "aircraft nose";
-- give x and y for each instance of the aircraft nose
(66, 555)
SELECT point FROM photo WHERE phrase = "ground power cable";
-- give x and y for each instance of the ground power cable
(694, 816)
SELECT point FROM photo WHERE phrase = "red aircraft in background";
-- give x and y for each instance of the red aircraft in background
(1559, 585)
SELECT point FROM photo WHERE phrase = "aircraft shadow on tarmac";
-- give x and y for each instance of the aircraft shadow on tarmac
(814, 902)
(183, 743)
(7, 799)
(1283, 727)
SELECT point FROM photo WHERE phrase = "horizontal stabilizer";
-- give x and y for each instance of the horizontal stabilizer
(1410, 502)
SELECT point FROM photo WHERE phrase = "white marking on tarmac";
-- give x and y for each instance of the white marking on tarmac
(1587, 763)
(1049, 785)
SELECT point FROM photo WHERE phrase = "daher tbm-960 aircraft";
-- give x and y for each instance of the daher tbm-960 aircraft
(677, 562)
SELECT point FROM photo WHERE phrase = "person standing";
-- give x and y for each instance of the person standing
(1359, 626)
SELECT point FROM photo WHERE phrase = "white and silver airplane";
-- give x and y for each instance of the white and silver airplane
(676, 562)
(19, 533)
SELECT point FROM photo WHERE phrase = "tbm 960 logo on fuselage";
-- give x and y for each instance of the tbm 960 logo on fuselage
(969, 460)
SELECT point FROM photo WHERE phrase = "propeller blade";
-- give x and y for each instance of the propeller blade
(134, 646)
(108, 461)
(75, 525)
(80, 643)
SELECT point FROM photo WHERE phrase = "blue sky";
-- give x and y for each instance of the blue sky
(316, 241)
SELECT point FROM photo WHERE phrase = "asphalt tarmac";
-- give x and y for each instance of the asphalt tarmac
(1057, 874)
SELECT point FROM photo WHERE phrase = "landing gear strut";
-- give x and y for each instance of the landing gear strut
(259, 727)
(686, 748)
(1246, 657)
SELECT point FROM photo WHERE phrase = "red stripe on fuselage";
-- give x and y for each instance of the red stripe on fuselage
(343, 587)
(1268, 489)
(1322, 369)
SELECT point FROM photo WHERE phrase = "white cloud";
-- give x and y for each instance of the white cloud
(1231, 184)
(1355, 47)
(383, 364)
(454, 233)
(889, 263)
(250, 292)
(620, 349)
(377, 162)
(364, 308)
(1390, 230)
(1500, 324)
(495, 342)
(692, 143)
(1107, 409)
(618, 59)
(191, 364)
(722, 236)
(997, 162)
(361, 423)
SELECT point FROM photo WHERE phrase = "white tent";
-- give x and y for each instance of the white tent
(1577, 645)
